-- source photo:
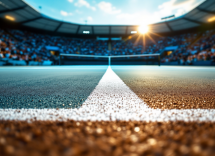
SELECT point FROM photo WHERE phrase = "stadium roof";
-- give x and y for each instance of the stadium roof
(25, 15)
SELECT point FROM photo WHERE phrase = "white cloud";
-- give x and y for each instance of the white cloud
(170, 7)
(70, 1)
(64, 13)
(108, 8)
(177, 7)
(89, 18)
(84, 3)
(135, 18)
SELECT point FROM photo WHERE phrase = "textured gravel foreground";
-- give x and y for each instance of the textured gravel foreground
(118, 138)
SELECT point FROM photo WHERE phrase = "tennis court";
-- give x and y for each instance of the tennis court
(107, 110)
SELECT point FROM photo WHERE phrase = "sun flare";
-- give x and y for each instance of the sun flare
(143, 29)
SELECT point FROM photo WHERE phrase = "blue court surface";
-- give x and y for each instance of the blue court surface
(69, 86)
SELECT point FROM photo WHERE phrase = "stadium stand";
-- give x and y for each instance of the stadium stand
(15, 50)
(201, 50)
(27, 48)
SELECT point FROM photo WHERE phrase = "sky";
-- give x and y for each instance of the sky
(113, 12)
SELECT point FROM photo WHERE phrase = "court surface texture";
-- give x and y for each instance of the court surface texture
(103, 110)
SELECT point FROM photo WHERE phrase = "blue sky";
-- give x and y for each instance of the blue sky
(128, 12)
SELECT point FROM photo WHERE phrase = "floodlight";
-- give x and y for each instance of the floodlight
(133, 32)
(86, 32)
(10, 18)
(211, 19)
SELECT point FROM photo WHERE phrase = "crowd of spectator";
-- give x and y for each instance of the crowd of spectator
(201, 48)
(28, 46)
(134, 48)
(20, 48)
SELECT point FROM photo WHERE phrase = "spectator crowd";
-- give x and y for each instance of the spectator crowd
(28, 46)
(201, 47)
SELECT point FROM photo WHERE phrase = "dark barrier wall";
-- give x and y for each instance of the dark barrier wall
(104, 61)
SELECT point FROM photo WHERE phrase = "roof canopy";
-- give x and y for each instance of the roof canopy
(27, 16)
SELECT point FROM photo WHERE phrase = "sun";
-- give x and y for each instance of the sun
(143, 29)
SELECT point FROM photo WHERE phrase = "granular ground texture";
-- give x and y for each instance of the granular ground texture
(112, 119)
(172, 89)
(120, 138)
(27, 87)
(111, 100)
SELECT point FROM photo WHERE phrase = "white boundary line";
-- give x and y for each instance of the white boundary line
(112, 99)
(57, 67)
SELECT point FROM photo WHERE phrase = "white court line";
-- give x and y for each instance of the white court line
(213, 68)
(58, 67)
(112, 99)
(162, 67)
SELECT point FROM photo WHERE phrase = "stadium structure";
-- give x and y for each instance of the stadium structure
(112, 90)
(27, 17)
(19, 15)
